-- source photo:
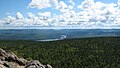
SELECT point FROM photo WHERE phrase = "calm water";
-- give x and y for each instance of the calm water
(50, 34)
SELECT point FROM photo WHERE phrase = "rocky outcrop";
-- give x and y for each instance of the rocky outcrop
(10, 60)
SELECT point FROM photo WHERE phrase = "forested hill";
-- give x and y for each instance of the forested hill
(99, 52)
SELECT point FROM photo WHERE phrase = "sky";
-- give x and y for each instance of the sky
(83, 14)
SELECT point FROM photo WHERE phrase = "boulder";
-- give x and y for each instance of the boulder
(48, 66)
(21, 61)
(11, 57)
(34, 64)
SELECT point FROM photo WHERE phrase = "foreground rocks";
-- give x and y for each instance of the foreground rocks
(10, 60)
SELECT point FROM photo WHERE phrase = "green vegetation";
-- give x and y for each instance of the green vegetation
(100, 52)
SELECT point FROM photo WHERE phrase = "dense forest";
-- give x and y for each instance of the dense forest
(96, 52)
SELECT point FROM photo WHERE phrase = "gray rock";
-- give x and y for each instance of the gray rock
(15, 65)
(3, 53)
(5, 63)
(21, 61)
(11, 57)
(2, 58)
(10, 60)
(2, 66)
(48, 66)
(34, 64)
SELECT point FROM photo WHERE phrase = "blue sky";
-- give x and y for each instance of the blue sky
(67, 13)
(14, 6)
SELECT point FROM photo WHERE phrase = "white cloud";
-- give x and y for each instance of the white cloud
(31, 15)
(118, 3)
(40, 4)
(70, 7)
(19, 15)
(91, 15)
(55, 2)
(72, 2)
(45, 14)
(7, 21)
(97, 11)
(111, 8)
(62, 5)
(86, 5)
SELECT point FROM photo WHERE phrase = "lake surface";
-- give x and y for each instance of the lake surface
(51, 34)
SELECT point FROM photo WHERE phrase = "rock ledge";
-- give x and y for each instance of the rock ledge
(10, 60)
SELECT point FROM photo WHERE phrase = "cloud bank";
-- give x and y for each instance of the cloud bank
(90, 15)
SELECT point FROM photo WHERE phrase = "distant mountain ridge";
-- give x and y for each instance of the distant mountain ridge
(46, 34)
